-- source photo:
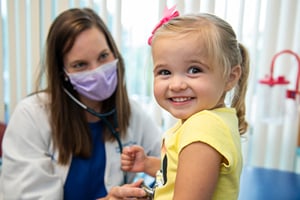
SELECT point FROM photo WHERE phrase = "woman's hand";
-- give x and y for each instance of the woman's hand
(127, 192)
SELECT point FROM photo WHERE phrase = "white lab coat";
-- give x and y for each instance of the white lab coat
(29, 168)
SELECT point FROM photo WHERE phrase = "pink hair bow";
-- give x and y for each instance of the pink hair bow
(168, 15)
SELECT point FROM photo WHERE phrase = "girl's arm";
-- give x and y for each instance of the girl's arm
(152, 165)
(198, 171)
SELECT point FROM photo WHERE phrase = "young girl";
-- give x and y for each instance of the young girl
(197, 61)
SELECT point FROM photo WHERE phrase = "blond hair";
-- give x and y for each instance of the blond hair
(222, 49)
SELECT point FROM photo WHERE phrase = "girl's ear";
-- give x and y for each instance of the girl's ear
(234, 77)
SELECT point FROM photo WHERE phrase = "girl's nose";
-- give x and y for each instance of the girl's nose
(177, 83)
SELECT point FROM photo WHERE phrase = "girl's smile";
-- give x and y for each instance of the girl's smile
(185, 84)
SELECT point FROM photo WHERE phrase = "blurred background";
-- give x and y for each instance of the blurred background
(270, 29)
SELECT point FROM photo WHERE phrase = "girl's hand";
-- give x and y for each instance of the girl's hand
(133, 159)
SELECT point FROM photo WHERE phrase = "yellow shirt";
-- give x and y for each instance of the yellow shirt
(219, 129)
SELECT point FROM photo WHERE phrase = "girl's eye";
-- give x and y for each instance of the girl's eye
(164, 72)
(194, 70)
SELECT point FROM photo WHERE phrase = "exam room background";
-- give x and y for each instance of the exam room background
(265, 27)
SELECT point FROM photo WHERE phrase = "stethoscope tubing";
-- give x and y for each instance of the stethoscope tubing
(103, 117)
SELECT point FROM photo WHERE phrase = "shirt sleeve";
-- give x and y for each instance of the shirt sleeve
(212, 130)
(28, 171)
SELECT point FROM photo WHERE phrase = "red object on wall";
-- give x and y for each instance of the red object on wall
(271, 81)
(2, 129)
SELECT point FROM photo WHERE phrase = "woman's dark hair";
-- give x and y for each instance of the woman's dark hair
(70, 130)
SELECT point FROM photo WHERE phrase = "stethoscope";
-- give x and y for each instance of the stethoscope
(103, 117)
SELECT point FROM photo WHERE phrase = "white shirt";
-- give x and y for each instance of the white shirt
(29, 168)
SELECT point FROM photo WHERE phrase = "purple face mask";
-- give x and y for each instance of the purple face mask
(97, 84)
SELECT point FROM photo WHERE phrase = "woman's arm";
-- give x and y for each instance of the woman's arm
(130, 191)
(28, 170)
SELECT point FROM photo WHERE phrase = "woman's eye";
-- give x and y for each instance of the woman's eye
(103, 56)
(194, 70)
(78, 65)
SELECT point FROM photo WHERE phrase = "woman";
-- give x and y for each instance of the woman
(64, 142)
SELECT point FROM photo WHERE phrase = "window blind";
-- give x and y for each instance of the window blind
(264, 27)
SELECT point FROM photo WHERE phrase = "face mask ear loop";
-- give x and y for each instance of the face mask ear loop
(65, 75)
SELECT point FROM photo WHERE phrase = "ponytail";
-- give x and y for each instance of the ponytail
(238, 101)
